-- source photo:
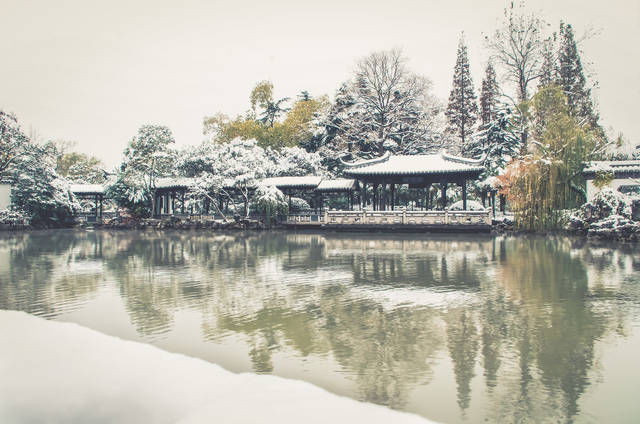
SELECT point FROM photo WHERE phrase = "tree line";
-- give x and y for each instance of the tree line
(534, 123)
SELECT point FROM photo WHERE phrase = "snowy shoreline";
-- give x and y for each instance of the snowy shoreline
(68, 373)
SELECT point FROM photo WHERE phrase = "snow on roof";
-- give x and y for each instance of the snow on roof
(414, 164)
(292, 182)
(340, 184)
(173, 182)
(618, 167)
(86, 188)
(107, 379)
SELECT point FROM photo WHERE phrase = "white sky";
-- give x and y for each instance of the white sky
(94, 72)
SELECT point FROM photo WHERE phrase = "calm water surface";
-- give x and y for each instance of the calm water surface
(455, 328)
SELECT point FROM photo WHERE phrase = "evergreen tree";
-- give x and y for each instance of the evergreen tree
(462, 111)
(489, 96)
(548, 70)
(572, 80)
(498, 142)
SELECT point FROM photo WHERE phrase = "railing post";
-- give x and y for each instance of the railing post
(364, 216)
(404, 215)
(446, 215)
(326, 216)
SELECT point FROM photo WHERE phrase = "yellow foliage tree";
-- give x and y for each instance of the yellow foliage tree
(548, 178)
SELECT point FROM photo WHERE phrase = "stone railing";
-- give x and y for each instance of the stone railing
(396, 217)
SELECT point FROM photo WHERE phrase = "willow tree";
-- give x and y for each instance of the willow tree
(549, 178)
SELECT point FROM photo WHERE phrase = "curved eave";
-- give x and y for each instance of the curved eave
(359, 173)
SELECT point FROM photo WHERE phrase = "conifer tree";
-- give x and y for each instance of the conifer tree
(571, 78)
(548, 70)
(489, 96)
(462, 111)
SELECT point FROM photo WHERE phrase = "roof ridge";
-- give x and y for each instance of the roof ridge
(373, 161)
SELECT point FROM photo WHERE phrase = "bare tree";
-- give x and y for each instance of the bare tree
(518, 47)
(391, 98)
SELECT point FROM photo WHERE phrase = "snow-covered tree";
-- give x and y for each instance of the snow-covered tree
(462, 111)
(572, 80)
(147, 157)
(498, 142)
(38, 191)
(233, 169)
(385, 107)
(489, 96)
(13, 142)
(269, 202)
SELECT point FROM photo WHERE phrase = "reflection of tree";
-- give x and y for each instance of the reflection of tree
(527, 314)
(462, 340)
(555, 326)
(38, 278)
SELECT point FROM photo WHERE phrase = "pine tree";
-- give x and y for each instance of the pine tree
(489, 96)
(499, 141)
(548, 70)
(572, 80)
(462, 111)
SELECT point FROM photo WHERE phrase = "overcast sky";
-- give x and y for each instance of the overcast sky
(94, 72)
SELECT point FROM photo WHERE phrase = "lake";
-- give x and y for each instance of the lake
(456, 328)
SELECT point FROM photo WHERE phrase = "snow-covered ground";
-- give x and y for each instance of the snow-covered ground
(63, 373)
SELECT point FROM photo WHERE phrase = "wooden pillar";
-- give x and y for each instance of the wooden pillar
(483, 195)
(96, 205)
(464, 195)
(375, 196)
(383, 197)
(183, 193)
(444, 195)
(101, 206)
(503, 203)
(364, 195)
(393, 196)
(289, 201)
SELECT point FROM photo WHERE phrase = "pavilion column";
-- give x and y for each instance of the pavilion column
(375, 196)
(365, 195)
(96, 206)
(182, 202)
(383, 198)
(503, 202)
(483, 195)
(393, 196)
(101, 206)
(444, 195)
(464, 195)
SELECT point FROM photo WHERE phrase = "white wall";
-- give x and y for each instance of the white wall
(5, 196)
(615, 185)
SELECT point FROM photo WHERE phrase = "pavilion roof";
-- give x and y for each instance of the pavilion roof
(401, 165)
(86, 188)
(292, 182)
(340, 184)
(173, 182)
(619, 168)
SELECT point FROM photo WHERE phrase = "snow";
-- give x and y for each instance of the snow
(472, 205)
(414, 164)
(339, 184)
(86, 188)
(67, 373)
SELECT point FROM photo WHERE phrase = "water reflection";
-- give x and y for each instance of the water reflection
(523, 314)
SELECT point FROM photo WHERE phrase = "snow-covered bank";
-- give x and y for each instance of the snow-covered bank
(62, 372)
